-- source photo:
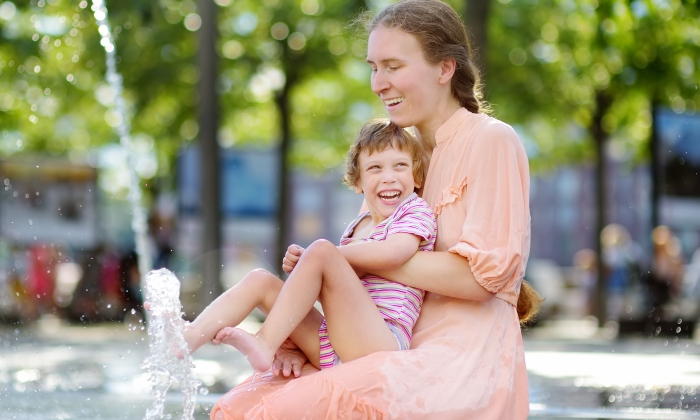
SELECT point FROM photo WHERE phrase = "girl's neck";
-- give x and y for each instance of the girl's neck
(365, 226)
(376, 219)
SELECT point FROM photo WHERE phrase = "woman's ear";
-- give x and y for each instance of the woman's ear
(447, 70)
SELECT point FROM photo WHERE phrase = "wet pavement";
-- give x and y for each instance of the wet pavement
(51, 370)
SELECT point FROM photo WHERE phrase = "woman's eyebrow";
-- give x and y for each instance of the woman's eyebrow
(385, 60)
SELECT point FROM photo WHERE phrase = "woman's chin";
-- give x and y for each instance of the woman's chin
(401, 120)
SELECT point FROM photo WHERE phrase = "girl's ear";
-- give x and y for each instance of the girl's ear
(357, 189)
(447, 70)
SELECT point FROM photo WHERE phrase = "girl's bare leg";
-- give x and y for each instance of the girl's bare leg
(259, 288)
(356, 328)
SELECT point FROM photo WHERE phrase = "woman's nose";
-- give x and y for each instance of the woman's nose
(379, 82)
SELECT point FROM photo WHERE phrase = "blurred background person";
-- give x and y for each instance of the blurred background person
(665, 278)
(622, 260)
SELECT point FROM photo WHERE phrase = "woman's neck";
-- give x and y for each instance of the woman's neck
(426, 130)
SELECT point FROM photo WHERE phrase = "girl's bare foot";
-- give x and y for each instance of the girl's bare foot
(258, 355)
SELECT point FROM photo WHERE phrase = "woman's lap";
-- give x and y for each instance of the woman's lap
(458, 371)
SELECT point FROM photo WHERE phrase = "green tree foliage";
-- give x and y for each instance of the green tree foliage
(53, 97)
(557, 64)
(301, 48)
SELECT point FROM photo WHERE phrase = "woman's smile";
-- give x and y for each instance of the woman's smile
(392, 103)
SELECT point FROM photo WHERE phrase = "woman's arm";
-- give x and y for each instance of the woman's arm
(439, 272)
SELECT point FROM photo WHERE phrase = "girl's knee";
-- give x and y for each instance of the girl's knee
(321, 247)
(260, 278)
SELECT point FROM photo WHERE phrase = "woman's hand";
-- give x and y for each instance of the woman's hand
(291, 258)
(288, 359)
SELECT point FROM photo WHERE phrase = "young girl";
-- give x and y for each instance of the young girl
(385, 165)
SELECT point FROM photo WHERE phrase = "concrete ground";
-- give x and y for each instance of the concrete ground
(577, 371)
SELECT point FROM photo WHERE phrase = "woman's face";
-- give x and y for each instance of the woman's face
(405, 82)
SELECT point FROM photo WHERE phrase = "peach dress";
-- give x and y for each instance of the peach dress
(466, 359)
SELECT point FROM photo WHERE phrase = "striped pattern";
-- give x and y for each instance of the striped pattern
(398, 304)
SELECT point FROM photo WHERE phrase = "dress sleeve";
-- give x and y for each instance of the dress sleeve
(417, 219)
(497, 224)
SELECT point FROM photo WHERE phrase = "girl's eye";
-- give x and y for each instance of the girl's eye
(402, 164)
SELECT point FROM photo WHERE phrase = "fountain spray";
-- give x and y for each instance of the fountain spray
(115, 81)
(169, 358)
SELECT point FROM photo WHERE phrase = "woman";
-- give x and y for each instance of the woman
(466, 358)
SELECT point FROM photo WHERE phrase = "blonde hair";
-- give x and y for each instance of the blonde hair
(378, 135)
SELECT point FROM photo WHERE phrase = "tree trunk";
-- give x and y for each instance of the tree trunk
(656, 167)
(210, 155)
(600, 139)
(476, 18)
(291, 64)
(284, 204)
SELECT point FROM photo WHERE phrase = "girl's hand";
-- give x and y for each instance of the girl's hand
(291, 258)
(288, 359)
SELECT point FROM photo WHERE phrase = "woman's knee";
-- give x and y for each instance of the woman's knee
(219, 415)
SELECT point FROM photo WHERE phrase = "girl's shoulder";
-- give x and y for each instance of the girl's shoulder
(354, 229)
(415, 210)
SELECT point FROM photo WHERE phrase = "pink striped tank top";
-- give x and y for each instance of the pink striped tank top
(399, 304)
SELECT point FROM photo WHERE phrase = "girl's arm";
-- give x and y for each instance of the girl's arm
(388, 254)
(438, 272)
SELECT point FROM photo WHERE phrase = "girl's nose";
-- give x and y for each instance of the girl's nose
(389, 178)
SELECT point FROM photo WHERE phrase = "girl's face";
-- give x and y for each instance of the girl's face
(410, 87)
(386, 179)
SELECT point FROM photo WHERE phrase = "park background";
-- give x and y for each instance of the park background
(241, 112)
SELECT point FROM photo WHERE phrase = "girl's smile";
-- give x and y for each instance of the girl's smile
(386, 179)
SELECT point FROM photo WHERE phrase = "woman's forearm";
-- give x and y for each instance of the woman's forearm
(439, 272)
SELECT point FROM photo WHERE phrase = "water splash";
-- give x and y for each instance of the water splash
(116, 83)
(168, 358)
(165, 322)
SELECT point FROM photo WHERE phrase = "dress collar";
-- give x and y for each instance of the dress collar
(449, 128)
